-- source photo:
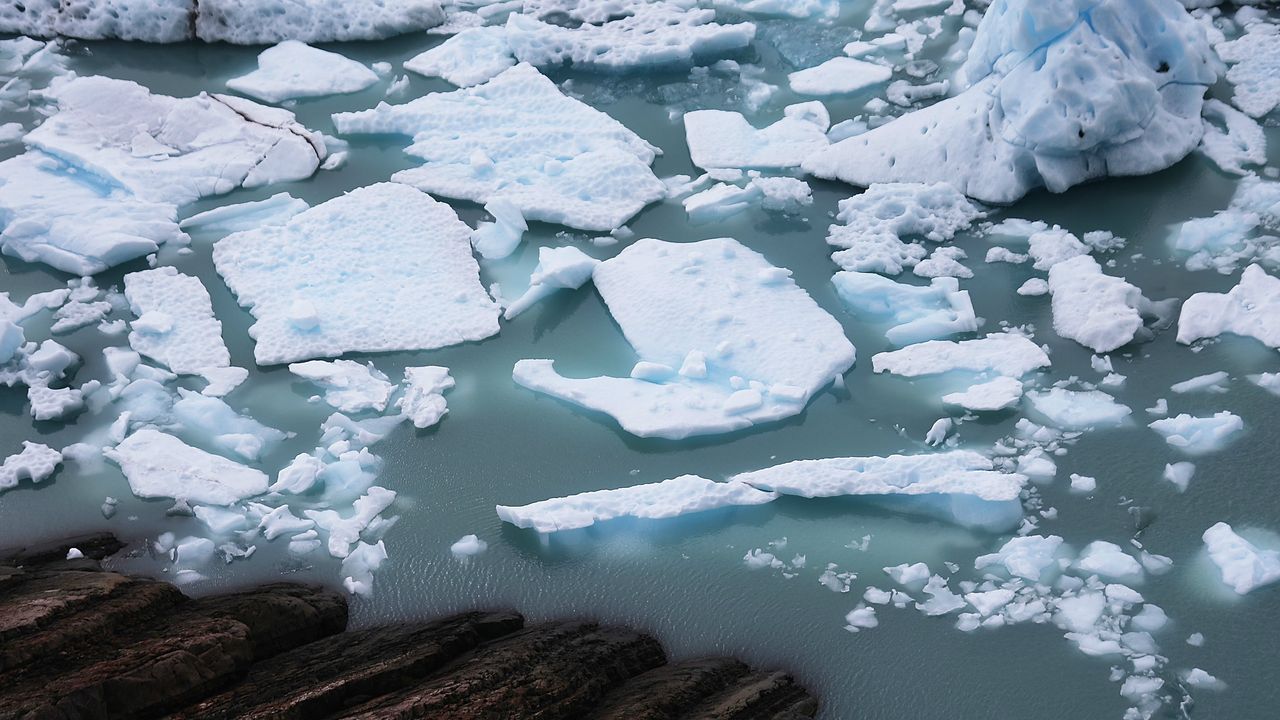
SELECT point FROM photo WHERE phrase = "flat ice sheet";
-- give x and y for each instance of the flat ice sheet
(158, 465)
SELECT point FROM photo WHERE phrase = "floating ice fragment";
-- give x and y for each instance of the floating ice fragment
(1210, 382)
(1108, 560)
(558, 268)
(1025, 557)
(1001, 353)
(468, 58)
(1251, 308)
(1083, 483)
(669, 498)
(275, 210)
(345, 531)
(998, 394)
(189, 341)
(1255, 61)
(468, 546)
(36, 462)
(358, 567)
(1078, 410)
(908, 574)
(1096, 310)
(1180, 474)
(294, 69)
(160, 465)
(875, 225)
(914, 313)
(1199, 435)
(723, 139)
(839, 75)
(1244, 566)
(386, 268)
(861, 617)
(348, 386)
(423, 400)
(1242, 143)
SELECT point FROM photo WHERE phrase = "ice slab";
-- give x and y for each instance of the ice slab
(348, 386)
(1254, 74)
(959, 485)
(724, 139)
(913, 313)
(876, 227)
(275, 210)
(558, 268)
(469, 58)
(36, 462)
(1244, 566)
(1199, 435)
(160, 465)
(294, 69)
(188, 338)
(653, 501)
(751, 345)
(1000, 353)
(838, 76)
(1096, 310)
(212, 423)
(1053, 94)
(1238, 142)
(423, 399)
(1077, 409)
(1238, 235)
(1027, 557)
(384, 267)
(998, 394)
(1251, 308)
(569, 163)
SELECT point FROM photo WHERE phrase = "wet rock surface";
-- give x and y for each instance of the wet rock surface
(78, 641)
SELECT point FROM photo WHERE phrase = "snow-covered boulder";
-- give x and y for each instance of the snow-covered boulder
(1053, 93)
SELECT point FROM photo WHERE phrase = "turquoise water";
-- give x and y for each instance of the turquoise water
(684, 579)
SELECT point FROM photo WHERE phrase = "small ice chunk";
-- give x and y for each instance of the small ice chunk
(358, 567)
(1240, 142)
(839, 75)
(294, 69)
(1108, 560)
(1199, 435)
(188, 338)
(861, 617)
(1180, 474)
(1251, 308)
(36, 462)
(669, 498)
(348, 386)
(299, 475)
(558, 268)
(275, 210)
(998, 394)
(1083, 484)
(160, 465)
(908, 573)
(1001, 353)
(1244, 566)
(468, 546)
(1211, 382)
(1096, 310)
(1026, 557)
(470, 57)
(344, 531)
(724, 139)
(914, 313)
(423, 399)
(874, 225)
(938, 431)
(1078, 410)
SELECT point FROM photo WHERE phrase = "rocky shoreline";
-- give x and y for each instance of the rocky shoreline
(77, 641)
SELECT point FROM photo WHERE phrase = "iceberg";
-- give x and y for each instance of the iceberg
(1006, 354)
(751, 346)
(1199, 435)
(653, 501)
(960, 485)
(348, 386)
(36, 463)
(1251, 308)
(1244, 566)
(1053, 93)
(873, 225)
(913, 313)
(384, 267)
(724, 139)
(294, 69)
(175, 326)
(569, 163)
(158, 465)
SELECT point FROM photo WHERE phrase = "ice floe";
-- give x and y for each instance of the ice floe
(1240, 234)
(1240, 141)
(558, 268)
(725, 339)
(160, 465)
(36, 462)
(1096, 310)
(877, 226)
(1244, 566)
(1251, 309)
(1254, 73)
(348, 386)
(469, 58)
(294, 69)
(423, 400)
(1077, 409)
(839, 75)
(1006, 354)
(275, 210)
(175, 323)
(724, 139)
(913, 313)
(667, 499)
(384, 267)
(1199, 435)
(997, 394)
(571, 164)
(1053, 94)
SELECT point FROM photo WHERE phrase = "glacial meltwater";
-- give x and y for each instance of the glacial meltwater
(1116, 603)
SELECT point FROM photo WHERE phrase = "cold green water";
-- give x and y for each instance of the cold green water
(684, 579)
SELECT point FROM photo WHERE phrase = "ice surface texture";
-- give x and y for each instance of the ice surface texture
(104, 175)
(518, 138)
(160, 465)
(725, 340)
(244, 22)
(1055, 92)
(384, 267)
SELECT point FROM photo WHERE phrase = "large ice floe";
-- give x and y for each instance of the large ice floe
(245, 22)
(667, 499)
(518, 139)
(725, 341)
(384, 267)
(102, 179)
(590, 34)
(1251, 309)
(961, 486)
(294, 69)
(1053, 93)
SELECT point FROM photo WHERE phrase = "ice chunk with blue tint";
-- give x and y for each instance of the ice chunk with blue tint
(913, 313)
(1055, 93)
(275, 210)
(358, 567)
(1006, 354)
(160, 465)
(1240, 141)
(182, 332)
(558, 268)
(294, 69)
(763, 345)
(469, 58)
(423, 400)
(569, 163)
(1244, 566)
(156, 21)
(211, 422)
(381, 268)
(724, 139)
(1237, 235)
(877, 226)
(1078, 409)
(1029, 557)
(961, 486)
(653, 501)
(1199, 435)
(1251, 308)
(343, 532)
(348, 386)
(1096, 310)
(839, 76)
